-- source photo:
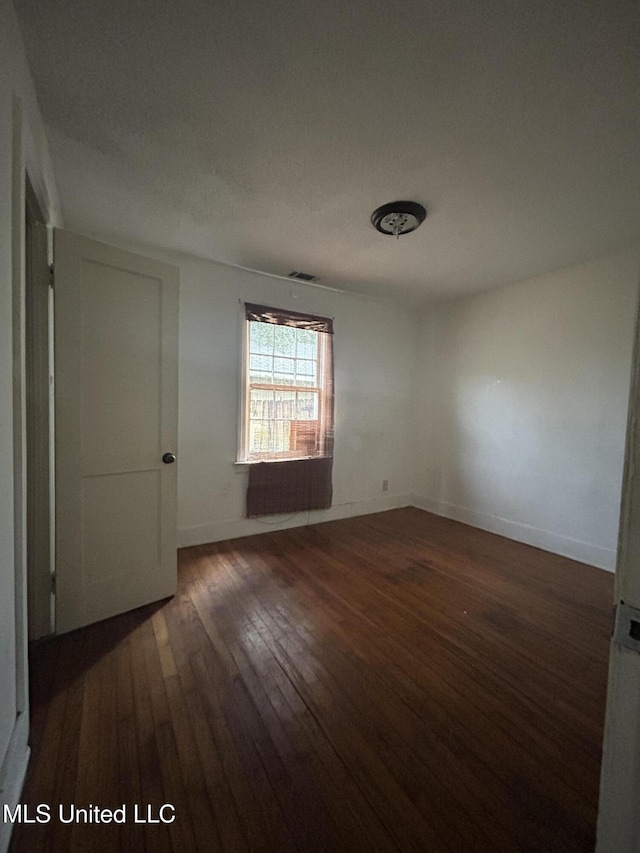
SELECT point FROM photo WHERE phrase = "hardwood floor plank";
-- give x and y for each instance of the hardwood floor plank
(152, 792)
(489, 667)
(182, 622)
(395, 717)
(182, 830)
(70, 679)
(281, 704)
(389, 726)
(393, 682)
(505, 750)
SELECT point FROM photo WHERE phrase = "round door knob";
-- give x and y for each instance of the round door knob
(168, 458)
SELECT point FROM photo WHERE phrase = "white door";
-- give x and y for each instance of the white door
(116, 381)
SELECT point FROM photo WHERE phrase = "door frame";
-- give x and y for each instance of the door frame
(619, 806)
(24, 159)
(38, 419)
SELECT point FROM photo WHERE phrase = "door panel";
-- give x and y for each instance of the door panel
(116, 328)
(121, 362)
(137, 544)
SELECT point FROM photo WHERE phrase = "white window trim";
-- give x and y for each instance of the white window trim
(243, 393)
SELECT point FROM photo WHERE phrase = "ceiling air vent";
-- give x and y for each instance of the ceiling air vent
(303, 276)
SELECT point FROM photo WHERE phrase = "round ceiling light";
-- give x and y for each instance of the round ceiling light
(398, 217)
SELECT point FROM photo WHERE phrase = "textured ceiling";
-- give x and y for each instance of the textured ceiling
(265, 133)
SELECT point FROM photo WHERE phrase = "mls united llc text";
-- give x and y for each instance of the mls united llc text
(44, 813)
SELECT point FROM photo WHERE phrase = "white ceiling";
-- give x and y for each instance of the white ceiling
(265, 133)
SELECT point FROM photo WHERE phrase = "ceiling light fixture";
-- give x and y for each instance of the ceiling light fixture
(398, 217)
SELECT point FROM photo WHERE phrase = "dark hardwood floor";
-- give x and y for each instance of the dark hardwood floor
(391, 682)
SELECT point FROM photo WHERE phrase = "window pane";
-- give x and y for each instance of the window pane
(261, 368)
(306, 344)
(284, 340)
(284, 371)
(307, 406)
(261, 404)
(282, 355)
(306, 372)
(268, 436)
(261, 337)
(273, 418)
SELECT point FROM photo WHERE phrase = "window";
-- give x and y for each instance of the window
(288, 386)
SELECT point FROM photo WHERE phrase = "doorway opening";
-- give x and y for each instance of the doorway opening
(39, 421)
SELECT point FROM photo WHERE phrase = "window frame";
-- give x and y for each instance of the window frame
(244, 419)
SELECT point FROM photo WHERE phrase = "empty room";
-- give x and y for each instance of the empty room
(320, 409)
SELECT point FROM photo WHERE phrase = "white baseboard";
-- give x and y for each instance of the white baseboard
(237, 527)
(12, 775)
(583, 552)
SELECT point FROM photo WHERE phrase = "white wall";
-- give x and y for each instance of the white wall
(522, 397)
(374, 357)
(374, 344)
(22, 143)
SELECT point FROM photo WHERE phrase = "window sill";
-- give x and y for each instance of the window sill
(243, 463)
